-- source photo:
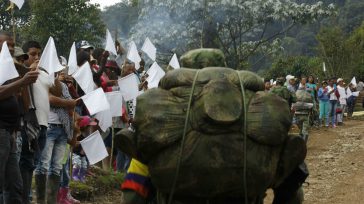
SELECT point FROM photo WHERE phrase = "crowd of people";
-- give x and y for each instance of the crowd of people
(42, 122)
(330, 98)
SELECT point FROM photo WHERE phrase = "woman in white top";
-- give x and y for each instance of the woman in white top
(342, 101)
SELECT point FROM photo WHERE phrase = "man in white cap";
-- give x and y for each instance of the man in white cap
(342, 100)
(290, 80)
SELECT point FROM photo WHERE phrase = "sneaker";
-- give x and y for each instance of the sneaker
(334, 126)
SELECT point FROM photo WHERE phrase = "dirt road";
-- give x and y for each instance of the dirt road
(336, 163)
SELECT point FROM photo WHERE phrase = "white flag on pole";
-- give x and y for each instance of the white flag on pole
(353, 81)
(105, 119)
(129, 87)
(115, 99)
(133, 55)
(7, 67)
(96, 101)
(83, 77)
(18, 3)
(94, 147)
(72, 60)
(110, 44)
(174, 62)
(324, 66)
(49, 59)
(155, 73)
(149, 49)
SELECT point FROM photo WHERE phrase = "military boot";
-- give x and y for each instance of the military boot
(52, 188)
(40, 183)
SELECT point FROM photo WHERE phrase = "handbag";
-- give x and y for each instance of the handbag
(31, 125)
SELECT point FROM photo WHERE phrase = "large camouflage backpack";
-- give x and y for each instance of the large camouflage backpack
(213, 156)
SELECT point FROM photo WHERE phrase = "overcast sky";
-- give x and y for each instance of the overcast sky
(104, 3)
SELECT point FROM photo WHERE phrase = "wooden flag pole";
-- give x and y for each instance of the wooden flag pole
(112, 144)
(13, 20)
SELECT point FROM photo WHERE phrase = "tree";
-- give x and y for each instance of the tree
(21, 17)
(336, 51)
(241, 29)
(356, 42)
(297, 66)
(67, 21)
(121, 17)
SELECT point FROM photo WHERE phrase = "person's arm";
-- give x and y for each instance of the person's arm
(101, 70)
(60, 102)
(14, 87)
(319, 93)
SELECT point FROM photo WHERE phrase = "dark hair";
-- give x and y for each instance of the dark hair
(6, 33)
(82, 57)
(31, 44)
(97, 54)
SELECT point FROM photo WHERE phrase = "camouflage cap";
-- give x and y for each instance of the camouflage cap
(280, 80)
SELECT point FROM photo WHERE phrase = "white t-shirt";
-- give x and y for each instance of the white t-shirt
(342, 93)
(332, 95)
(41, 100)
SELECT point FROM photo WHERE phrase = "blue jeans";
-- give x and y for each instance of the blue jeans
(122, 161)
(53, 152)
(351, 105)
(333, 106)
(324, 111)
(65, 176)
(11, 184)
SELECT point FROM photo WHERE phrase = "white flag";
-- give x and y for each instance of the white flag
(133, 54)
(324, 66)
(115, 99)
(72, 60)
(105, 119)
(271, 81)
(49, 59)
(7, 67)
(110, 44)
(96, 101)
(94, 147)
(83, 77)
(149, 49)
(129, 87)
(18, 3)
(174, 62)
(155, 73)
(353, 81)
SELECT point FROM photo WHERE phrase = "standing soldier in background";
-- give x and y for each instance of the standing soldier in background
(283, 92)
(303, 109)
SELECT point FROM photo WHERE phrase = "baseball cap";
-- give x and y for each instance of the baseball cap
(85, 45)
(289, 77)
(18, 52)
(86, 121)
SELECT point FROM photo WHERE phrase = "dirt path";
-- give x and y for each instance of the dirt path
(336, 163)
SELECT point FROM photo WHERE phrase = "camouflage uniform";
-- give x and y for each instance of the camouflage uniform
(303, 110)
(283, 92)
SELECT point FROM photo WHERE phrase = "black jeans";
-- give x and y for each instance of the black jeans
(11, 184)
(28, 161)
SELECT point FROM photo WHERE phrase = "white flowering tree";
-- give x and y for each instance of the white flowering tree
(240, 28)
